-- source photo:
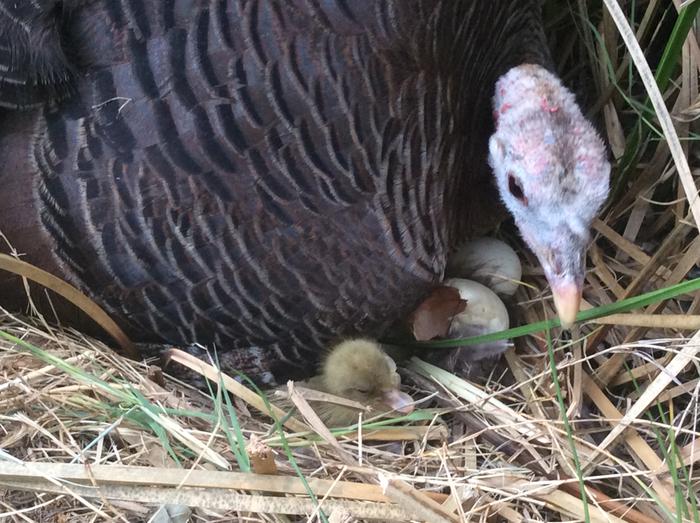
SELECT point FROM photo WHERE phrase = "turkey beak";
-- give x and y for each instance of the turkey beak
(567, 299)
(564, 269)
(398, 400)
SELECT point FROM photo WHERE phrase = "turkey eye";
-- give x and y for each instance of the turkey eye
(515, 188)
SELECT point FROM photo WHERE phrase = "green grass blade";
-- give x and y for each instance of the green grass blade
(635, 302)
(567, 425)
(285, 445)
(664, 71)
(669, 59)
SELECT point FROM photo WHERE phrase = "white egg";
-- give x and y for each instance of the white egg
(489, 261)
(484, 313)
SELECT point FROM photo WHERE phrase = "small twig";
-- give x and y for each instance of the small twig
(223, 499)
(656, 321)
(73, 295)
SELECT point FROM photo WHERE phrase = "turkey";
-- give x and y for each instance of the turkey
(269, 176)
(359, 371)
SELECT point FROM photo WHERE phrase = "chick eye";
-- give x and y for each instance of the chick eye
(362, 390)
(516, 189)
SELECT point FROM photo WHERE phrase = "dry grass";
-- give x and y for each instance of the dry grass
(92, 419)
(600, 425)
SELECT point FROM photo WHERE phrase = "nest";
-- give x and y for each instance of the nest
(600, 424)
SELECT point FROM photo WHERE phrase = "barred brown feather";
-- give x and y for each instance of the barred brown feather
(259, 173)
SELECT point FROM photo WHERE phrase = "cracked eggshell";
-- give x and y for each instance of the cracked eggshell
(484, 310)
(489, 261)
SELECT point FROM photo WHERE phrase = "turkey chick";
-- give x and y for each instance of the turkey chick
(359, 370)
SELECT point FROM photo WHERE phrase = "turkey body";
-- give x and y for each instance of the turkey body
(260, 173)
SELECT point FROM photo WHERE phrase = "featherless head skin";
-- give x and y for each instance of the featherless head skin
(359, 370)
(552, 174)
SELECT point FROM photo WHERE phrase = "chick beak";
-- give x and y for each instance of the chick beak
(567, 299)
(398, 401)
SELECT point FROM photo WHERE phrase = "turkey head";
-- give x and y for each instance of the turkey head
(552, 174)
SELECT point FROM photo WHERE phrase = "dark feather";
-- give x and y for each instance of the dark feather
(34, 63)
(259, 173)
